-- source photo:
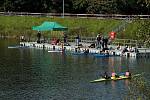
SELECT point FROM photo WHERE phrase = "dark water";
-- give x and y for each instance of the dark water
(35, 74)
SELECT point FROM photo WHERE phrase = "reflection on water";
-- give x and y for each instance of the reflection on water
(35, 74)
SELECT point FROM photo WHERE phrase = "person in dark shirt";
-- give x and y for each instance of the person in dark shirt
(38, 36)
(98, 39)
(106, 76)
(65, 38)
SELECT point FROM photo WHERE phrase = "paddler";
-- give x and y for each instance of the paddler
(114, 75)
(127, 73)
(106, 76)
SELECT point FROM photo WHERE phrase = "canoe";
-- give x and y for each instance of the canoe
(111, 79)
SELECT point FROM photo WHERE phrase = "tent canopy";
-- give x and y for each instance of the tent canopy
(46, 26)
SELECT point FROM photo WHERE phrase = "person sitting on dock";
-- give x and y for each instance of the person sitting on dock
(125, 49)
(77, 50)
(118, 47)
(86, 51)
(92, 45)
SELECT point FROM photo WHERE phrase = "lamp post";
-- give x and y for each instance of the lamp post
(63, 9)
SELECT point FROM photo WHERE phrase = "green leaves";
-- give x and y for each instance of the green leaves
(143, 32)
(78, 6)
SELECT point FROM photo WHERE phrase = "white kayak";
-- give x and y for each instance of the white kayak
(55, 51)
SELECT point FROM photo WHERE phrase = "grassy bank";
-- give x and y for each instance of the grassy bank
(18, 25)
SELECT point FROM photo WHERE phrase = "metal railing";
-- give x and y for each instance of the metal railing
(123, 42)
(98, 16)
(90, 40)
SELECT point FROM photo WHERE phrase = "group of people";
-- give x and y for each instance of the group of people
(127, 49)
(101, 41)
(77, 39)
(114, 75)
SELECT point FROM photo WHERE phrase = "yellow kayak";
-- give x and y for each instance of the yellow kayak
(121, 77)
(110, 79)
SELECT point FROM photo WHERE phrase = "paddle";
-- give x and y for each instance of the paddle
(136, 75)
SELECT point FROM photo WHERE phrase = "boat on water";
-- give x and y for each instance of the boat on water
(102, 55)
(121, 77)
(18, 46)
(51, 51)
(111, 79)
(82, 53)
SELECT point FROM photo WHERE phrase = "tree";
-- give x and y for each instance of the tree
(80, 6)
(143, 32)
(145, 3)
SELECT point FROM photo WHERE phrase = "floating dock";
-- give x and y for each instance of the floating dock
(143, 52)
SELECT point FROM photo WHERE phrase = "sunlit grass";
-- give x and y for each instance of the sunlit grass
(17, 25)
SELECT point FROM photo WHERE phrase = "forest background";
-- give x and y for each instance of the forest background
(78, 6)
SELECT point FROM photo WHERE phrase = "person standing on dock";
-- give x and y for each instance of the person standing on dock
(77, 40)
(22, 38)
(98, 41)
(65, 38)
(105, 40)
(38, 36)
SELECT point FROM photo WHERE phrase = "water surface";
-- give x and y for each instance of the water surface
(35, 74)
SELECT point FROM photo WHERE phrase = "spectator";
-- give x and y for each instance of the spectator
(98, 41)
(65, 38)
(22, 38)
(105, 41)
(38, 36)
(77, 40)
(125, 49)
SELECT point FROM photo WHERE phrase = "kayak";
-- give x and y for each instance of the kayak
(18, 46)
(121, 77)
(111, 79)
(82, 53)
(56, 51)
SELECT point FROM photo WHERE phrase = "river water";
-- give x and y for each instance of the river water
(35, 74)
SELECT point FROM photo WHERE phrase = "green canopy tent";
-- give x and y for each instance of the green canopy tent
(49, 26)
(52, 26)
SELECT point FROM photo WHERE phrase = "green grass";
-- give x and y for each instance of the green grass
(17, 25)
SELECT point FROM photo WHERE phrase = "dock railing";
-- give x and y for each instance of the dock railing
(123, 42)
(90, 40)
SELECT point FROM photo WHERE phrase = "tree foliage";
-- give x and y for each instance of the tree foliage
(78, 6)
(143, 32)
